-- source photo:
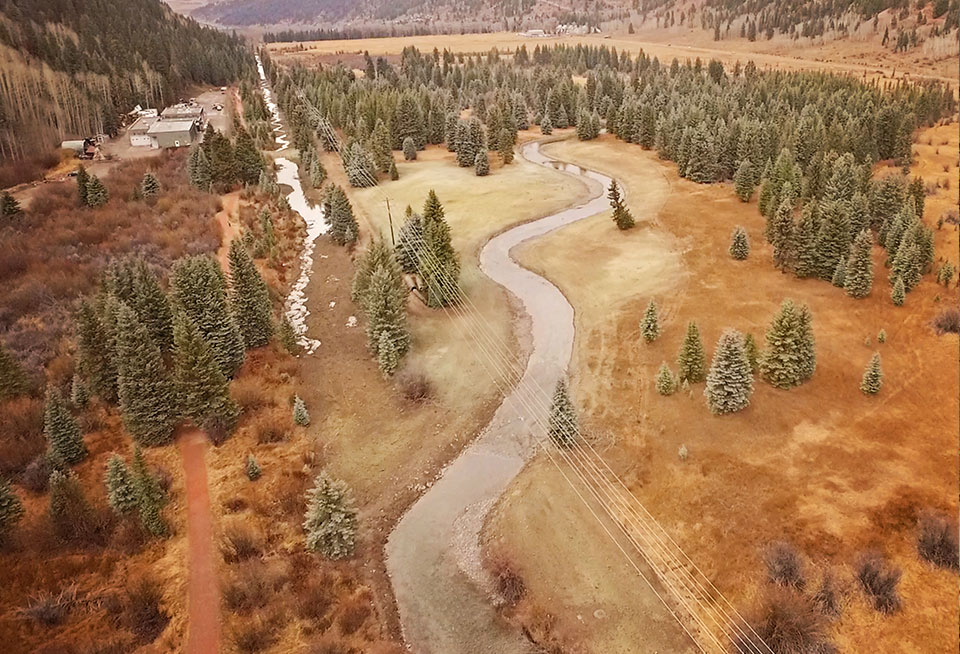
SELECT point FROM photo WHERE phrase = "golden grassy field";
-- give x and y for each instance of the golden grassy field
(823, 466)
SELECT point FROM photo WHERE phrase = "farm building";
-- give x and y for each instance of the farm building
(173, 133)
(183, 111)
(138, 131)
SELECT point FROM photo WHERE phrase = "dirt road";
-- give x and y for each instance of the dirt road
(433, 554)
(203, 591)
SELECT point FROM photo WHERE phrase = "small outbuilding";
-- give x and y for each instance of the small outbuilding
(183, 111)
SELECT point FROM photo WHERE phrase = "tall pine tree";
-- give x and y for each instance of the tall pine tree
(729, 381)
(249, 297)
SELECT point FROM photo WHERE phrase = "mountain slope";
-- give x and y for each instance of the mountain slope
(69, 67)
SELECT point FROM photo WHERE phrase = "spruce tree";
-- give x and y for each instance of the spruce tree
(131, 282)
(621, 215)
(410, 243)
(780, 233)
(380, 147)
(287, 336)
(149, 186)
(807, 258)
(744, 180)
(562, 425)
(505, 146)
(482, 164)
(13, 381)
(666, 383)
(739, 244)
(691, 361)
(251, 468)
(78, 392)
(907, 265)
(97, 194)
(318, 173)
(729, 381)
(388, 354)
(150, 497)
(394, 173)
(872, 376)
(203, 393)
(858, 277)
(833, 238)
(11, 510)
(385, 305)
(300, 414)
(62, 432)
(83, 179)
(807, 350)
(331, 519)
(200, 173)
(898, 292)
(147, 400)
(438, 266)
(95, 359)
(840, 273)
(249, 298)
(339, 215)
(650, 325)
(9, 207)
(121, 493)
(546, 125)
(781, 359)
(198, 287)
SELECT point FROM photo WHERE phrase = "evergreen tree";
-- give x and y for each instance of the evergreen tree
(149, 186)
(200, 174)
(339, 215)
(78, 392)
(13, 381)
(198, 287)
(807, 349)
(739, 244)
(202, 391)
(121, 493)
(438, 266)
(131, 282)
(147, 400)
(150, 498)
(9, 207)
(385, 304)
(907, 265)
(69, 511)
(287, 335)
(780, 233)
(505, 146)
(394, 173)
(62, 432)
(621, 215)
(563, 121)
(858, 277)
(318, 174)
(380, 147)
(482, 164)
(11, 510)
(408, 122)
(375, 256)
(83, 179)
(97, 194)
(666, 384)
(789, 358)
(872, 376)
(833, 238)
(410, 243)
(898, 293)
(701, 164)
(752, 352)
(744, 180)
(251, 468)
(807, 259)
(650, 325)
(331, 519)
(840, 273)
(409, 149)
(359, 166)
(691, 361)
(729, 381)
(546, 125)
(300, 414)
(562, 426)
(95, 351)
(249, 298)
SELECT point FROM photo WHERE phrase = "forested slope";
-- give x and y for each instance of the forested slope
(69, 67)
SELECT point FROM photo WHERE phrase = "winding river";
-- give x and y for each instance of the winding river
(433, 553)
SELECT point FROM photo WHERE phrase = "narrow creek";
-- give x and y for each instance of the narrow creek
(288, 173)
(433, 553)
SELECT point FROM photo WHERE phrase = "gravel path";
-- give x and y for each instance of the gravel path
(433, 554)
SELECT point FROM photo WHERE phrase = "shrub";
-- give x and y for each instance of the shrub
(255, 635)
(36, 476)
(784, 566)
(50, 609)
(21, 423)
(272, 427)
(241, 541)
(937, 541)
(353, 613)
(414, 386)
(947, 320)
(829, 596)
(251, 586)
(252, 468)
(143, 614)
(331, 518)
(879, 580)
(787, 623)
(509, 584)
(315, 600)
(300, 414)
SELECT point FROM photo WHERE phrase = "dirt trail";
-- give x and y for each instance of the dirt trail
(433, 554)
(229, 228)
(203, 591)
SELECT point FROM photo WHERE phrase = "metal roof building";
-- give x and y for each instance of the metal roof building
(173, 133)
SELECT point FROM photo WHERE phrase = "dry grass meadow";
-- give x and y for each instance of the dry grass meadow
(822, 466)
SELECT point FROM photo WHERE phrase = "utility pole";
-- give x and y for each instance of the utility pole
(393, 239)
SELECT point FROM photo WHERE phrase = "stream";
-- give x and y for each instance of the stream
(288, 173)
(433, 554)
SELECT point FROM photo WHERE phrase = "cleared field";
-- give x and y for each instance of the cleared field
(823, 466)
(844, 57)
